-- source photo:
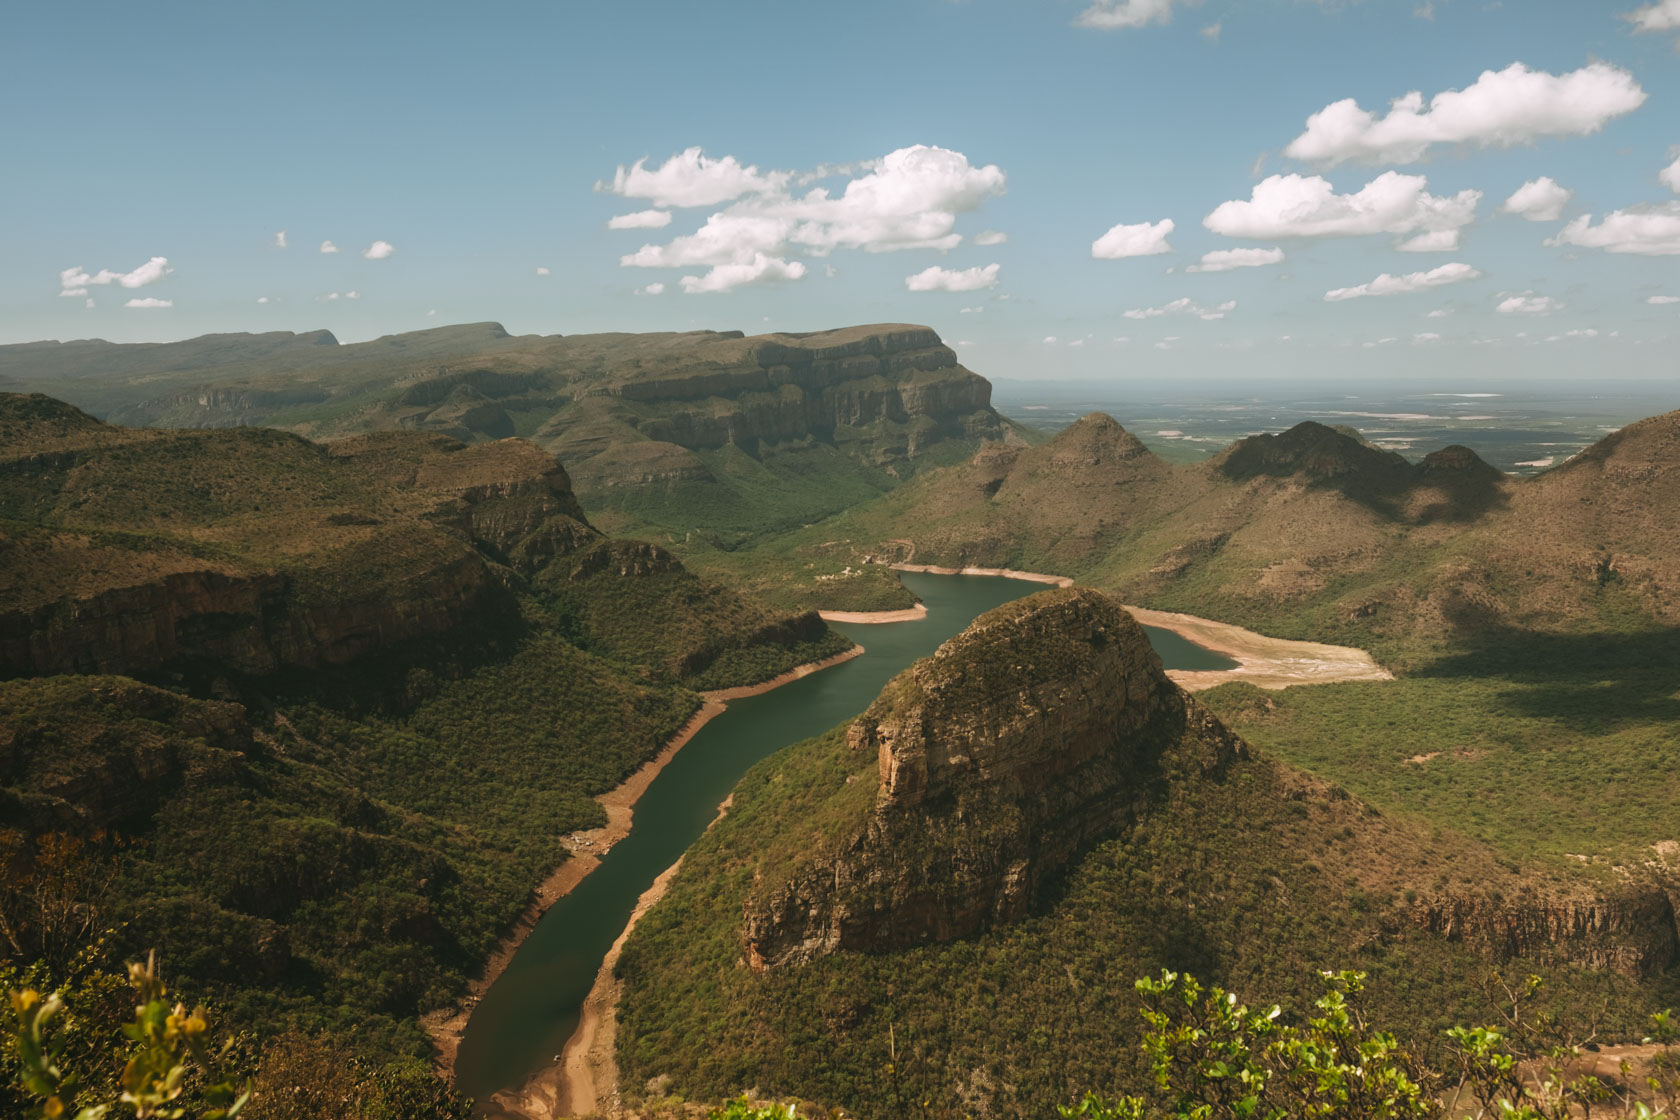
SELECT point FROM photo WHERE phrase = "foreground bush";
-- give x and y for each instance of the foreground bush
(1214, 1058)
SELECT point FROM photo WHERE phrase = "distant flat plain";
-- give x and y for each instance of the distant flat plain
(1519, 427)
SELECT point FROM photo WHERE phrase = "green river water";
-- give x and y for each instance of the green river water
(526, 1017)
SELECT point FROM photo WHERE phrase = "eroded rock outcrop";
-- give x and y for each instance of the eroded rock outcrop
(1018, 744)
(1632, 932)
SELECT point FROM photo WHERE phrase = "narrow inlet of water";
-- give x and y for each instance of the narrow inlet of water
(526, 1017)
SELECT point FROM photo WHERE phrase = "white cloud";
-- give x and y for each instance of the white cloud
(262, 299)
(690, 179)
(1224, 260)
(654, 289)
(1308, 206)
(1582, 332)
(75, 281)
(150, 301)
(1649, 230)
(328, 247)
(542, 271)
(1502, 108)
(1184, 306)
(990, 237)
(1434, 241)
(89, 303)
(1439, 313)
(1539, 200)
(936, 279)
(907, 199)
(280, 240)
(972, 310)
(641, 219)
(1107, 15)
(379, 250)
(1049, 340)
(1664, 15)
(1527, 303)
(760, 269)
(1144, 239)
(1670, 175)
(1662, 301)
(329, 297)
(1389, 285)
(352, 295)
(1212, 30)
(1076, 342)
(432, 314)
(1423, 337)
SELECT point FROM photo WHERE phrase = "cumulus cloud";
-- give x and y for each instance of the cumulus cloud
(641, 219)
(1107, 15)
(759, 269)
(1389, 285)
(1224, 260)
(1145, 239)
(1435, 241)
(1539, 200)
(150, 301)
(1662, 301)
(542, 271)
(262, 299)
(1183, 306)
(328, 247)
(352, 295)
(1424, 337)
(1308, 206)
(1670, 175)
(907, 199)
(654, 289)
(76, 280)
(691, 179)
(1650, 230)
(1501, 108)
(936, 279)
(1527, 303)
(379, 250)
(1439, 313)
(280, 240)
(1664, 15)
(996, 237)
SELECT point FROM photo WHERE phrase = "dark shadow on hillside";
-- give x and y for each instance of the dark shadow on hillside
(1594, 683)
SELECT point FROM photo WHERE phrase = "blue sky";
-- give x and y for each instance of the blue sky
(473, 143)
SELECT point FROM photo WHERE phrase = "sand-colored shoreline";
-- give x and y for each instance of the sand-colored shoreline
(870, 618)
(584, 1081)
(1006, 573)
(586, 849)
(1272, 663)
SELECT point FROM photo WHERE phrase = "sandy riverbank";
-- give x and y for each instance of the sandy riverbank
(1272, 663)
(584, 1082)
(1007, 573)
(1267, 662)
(908, 614)
(586, 849)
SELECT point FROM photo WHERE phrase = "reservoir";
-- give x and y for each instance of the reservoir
(531, 1010)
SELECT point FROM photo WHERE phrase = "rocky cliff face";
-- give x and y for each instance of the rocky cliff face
(1000, 758)
(316, 560)
(1632, 932)
(885, 393)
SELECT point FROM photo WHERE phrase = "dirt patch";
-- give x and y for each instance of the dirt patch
(585, 850)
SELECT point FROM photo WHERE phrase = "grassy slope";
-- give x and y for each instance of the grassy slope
(388, 819)
(1015, 1021)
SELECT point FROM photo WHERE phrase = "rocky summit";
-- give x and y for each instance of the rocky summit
(1000, 758)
